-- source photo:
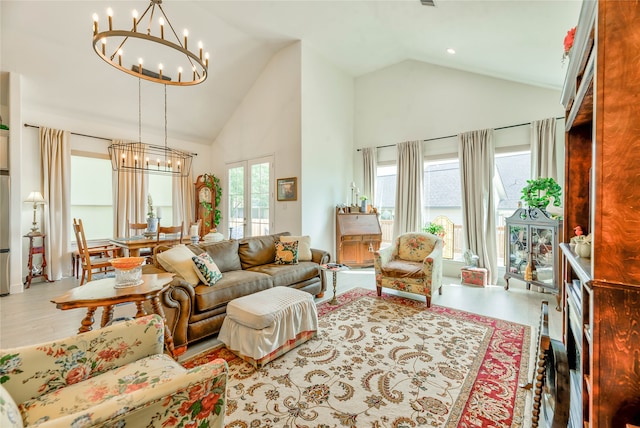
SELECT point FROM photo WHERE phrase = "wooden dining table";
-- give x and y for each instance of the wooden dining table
(134, 244)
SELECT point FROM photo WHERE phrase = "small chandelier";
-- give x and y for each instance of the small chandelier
(118, 42)
(148, 158)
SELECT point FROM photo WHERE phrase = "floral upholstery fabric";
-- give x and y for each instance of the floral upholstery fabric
(115, 376)
(415, 247)
(413, 265)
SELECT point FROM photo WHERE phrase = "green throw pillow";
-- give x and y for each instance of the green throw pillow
(206, 268)
(287, 253)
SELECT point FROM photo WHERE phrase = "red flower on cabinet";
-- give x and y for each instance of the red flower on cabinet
(568, 41)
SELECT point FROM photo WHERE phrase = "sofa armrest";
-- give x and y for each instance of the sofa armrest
(195, 397)
(30, 371)
(432, 264)
(381, 257)
(178, 305)
(179, 300)
(320, 256)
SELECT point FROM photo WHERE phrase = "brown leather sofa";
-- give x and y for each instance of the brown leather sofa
(247, 266)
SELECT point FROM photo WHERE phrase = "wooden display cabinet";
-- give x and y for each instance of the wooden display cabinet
(601, 298)
(358, 236)
(532, 236)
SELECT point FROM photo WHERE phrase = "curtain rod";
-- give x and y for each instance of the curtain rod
(455, 135)
(26, 125)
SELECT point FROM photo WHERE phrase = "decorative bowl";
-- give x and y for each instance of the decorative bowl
(126, 263)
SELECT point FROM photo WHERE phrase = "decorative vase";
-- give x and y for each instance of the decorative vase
(363, 206)
(583, 249)
(152, 224)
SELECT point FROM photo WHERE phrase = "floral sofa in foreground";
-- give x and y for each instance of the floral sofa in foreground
(117, 376)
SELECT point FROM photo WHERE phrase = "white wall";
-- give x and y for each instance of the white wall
(327, 136)
(267, 122)
(413, 100)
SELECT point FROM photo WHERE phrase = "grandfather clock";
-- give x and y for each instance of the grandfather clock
(205, 203)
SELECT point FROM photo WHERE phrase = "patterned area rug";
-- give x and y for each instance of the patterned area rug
(386, 362)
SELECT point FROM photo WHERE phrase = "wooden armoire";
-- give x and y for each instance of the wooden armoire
(601, 296)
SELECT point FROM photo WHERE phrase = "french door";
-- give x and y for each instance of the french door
(250, 197)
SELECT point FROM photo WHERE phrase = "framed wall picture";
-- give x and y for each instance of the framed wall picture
(287, 189)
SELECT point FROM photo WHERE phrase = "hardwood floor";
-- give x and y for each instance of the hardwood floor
(30, 317)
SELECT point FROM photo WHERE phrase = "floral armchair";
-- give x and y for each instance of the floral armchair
(413, 265)
(117, 376)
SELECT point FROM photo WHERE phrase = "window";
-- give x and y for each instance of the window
(385, 200)
(442, 201)
(250, 197)
(161, 191)
(512, 172)
(92, 200)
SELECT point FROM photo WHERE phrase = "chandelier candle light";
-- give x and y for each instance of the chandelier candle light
(121, 39)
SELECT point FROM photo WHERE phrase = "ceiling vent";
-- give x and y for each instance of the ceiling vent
(428, 2)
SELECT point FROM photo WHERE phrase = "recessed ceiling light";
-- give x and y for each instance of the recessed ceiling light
(451, 51)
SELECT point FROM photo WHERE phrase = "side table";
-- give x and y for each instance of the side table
(334, 268)
(103, 294)
(34, 249)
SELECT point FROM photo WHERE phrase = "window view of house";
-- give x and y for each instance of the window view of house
(442, 203)
(512, 173)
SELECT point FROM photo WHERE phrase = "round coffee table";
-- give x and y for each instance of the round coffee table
(334, 268)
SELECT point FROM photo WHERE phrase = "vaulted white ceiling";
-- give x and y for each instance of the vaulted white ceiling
(49, 44)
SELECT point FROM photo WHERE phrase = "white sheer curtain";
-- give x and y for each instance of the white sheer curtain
(370, 165)
(476, 153)
(55, 149)
(130, 190)
(409, 188)
(544, 159)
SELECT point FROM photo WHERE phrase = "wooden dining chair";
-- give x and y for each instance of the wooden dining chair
(136, 229)
(170, 234)
(88, 261)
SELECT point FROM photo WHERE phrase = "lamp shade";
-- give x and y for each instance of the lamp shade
(35, 197)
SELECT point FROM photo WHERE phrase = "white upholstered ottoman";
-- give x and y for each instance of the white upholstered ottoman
(262, 326)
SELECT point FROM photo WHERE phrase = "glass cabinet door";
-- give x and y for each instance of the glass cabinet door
(518, 250)
(543, 251)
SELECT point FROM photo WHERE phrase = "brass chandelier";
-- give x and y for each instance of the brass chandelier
(111, 45)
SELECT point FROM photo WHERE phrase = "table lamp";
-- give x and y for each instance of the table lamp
(37, 199)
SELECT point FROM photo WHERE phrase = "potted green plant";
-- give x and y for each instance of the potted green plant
(539, 192)
(152, 220)
(434, 229)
